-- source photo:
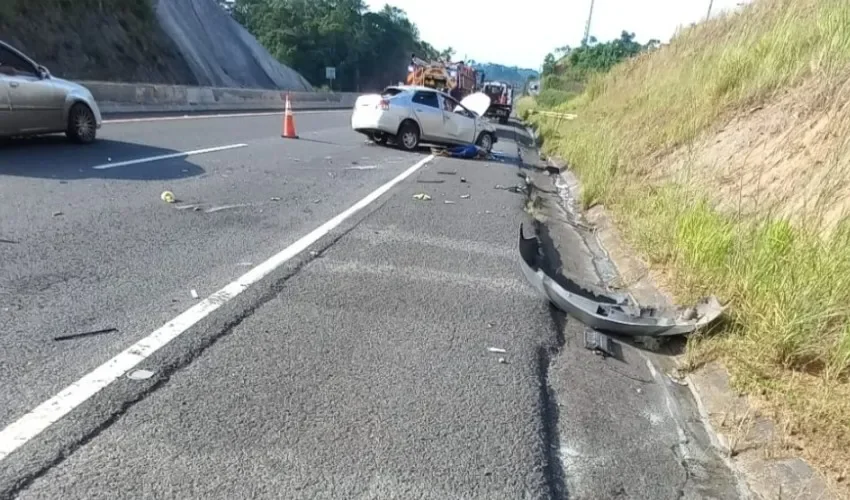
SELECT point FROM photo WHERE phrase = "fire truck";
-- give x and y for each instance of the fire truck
(501, 98)
(454, 78)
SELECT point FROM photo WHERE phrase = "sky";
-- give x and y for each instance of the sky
(523, 36)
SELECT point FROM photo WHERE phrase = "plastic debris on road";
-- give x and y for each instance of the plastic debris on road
(194, 293)
(168, 197)
(140, 374)
(85, 334)
(421, 197)
(497, 350)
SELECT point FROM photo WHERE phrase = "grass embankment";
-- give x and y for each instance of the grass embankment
(653, 141)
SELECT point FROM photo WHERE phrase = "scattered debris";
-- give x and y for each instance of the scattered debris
(421, 197)
(598, 343)
(85, 334)
(194, 293)
(224, 207)
(443, 172)
(275, 198)
(464, 196)
(607, 313)
(140, 374)
(502, 361)
(168, 197)
(430, 181)
(449, 202)
(362, 167)
(463, 179)
(245, 264)
(314, 253)
(497, 350)
(57, 214)
(317, 201)
(513, 189)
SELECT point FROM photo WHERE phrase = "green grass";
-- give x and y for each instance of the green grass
(787, 280)
(525, 105)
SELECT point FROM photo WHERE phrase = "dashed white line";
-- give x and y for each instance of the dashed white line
(182, 154)
(51, 411)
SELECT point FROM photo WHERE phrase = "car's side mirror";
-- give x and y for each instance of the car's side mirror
(43, 73)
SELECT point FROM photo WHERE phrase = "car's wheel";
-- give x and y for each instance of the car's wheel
(82, 126)
(408, 136)
(485, 141)
(379, 138)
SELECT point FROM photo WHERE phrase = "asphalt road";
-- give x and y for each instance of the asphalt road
(357, 368)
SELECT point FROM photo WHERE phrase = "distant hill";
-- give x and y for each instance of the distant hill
(505, 73)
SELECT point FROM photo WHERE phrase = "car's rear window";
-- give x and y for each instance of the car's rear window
(391, 92)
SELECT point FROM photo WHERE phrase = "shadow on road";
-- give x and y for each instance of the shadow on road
(55, 157)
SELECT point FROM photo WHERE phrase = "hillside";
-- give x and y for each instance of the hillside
(503, 73)
(723, 157)
(193, 42)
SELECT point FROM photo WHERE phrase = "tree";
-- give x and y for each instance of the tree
(549, 64)
(368, 49)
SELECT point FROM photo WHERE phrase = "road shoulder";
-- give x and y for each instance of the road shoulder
(735, 431)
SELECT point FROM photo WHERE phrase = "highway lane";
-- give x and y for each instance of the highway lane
(87, 249)
(365, 375)
(360, 371)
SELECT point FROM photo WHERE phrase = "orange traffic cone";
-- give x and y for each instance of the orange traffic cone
(288, 122)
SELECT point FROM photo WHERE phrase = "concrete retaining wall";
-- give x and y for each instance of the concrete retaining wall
(121, 98)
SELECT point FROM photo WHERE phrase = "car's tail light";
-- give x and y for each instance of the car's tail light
(384, 104)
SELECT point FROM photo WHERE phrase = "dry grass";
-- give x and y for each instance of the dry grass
(763, 89)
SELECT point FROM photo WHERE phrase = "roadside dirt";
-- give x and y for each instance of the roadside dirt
(788, 157)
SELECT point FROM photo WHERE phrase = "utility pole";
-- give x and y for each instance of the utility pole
(587, 26)
(710, 4)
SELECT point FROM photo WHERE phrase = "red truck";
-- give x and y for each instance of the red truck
(501, 100)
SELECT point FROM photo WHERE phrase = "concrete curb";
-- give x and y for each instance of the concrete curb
(140, 98)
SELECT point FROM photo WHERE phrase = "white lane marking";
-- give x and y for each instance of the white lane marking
(222, 115)
(167, 157)
(51, 411)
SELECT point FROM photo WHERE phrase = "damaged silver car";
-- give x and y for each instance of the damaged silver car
(605, 313)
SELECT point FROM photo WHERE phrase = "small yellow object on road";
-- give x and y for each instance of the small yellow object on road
(167, 196)
(421, 197)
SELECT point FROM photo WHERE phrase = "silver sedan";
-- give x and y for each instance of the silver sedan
(33, 102)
